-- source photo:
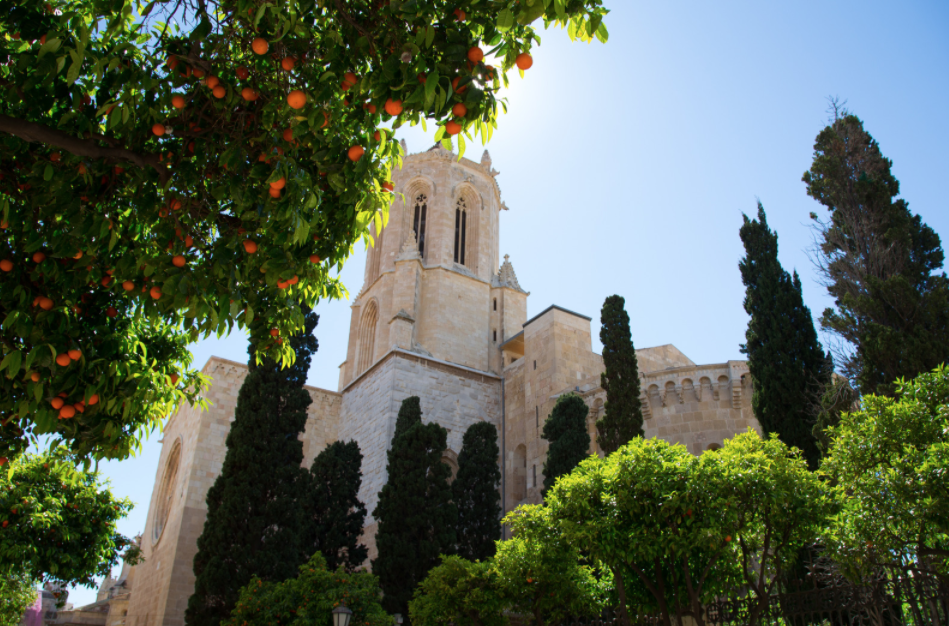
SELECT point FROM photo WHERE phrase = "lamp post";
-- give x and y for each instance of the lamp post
(341, 615)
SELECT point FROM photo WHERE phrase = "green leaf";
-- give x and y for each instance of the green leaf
(73, 74)
(429, 36)
(11, 363)
(601, 33)
(505, 20)
(51, 45)
(48, 172)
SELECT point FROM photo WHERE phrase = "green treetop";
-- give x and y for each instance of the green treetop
(786, 361)
(566, 430)
(173, 169)
(415, 514)
(255, 515)
(889, 463)
(476, 492)
(58, 523)
(622, 412)
(334, 516)
(879, 262)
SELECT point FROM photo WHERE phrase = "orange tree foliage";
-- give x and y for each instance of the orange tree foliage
(176, 168)
(310, 599)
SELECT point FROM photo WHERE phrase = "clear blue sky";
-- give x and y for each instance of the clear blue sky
(627, 166)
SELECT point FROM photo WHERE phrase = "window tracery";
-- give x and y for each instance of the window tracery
(461, 227)
(418, 224)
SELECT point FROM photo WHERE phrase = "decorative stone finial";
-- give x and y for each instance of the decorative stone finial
(405, 147)
(506, 274)
(409, 248)
(486, 160)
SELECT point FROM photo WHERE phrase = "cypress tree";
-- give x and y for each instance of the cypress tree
(334, 516)
(566, 430)
(623, 410)
(253, 522)
(879, 263)
(415, 513)
(476, 493)
(785, 359)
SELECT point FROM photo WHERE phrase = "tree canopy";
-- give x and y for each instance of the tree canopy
(786, 361)
(623, 411)
(475, 492)
(177, 168)
(255, 519)
(58, 523)
(461, 592)
(309, 599)
(566, 432)
(889, 463)
(333, 515)
(878, 260)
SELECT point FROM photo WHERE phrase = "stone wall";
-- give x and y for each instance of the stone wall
(452, 396)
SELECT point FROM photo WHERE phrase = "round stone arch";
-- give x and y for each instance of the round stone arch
(166, 492)
(450, 458)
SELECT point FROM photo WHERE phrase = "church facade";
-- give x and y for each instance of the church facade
(441, 317)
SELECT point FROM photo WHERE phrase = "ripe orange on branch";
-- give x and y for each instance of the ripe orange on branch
(178, 102)
(57, 403)
(296, 99)
(260, 45)
(219, 91)
(75, 355)
(6, 265)
(459, 110)
(452, 127)
(524, 61)
(249, 94)
(393, 107)
(287, 63)
(63, 360)
(38, 257)
(250, 246)
(155, 292)
(355, 153)
(279, 184)
(158, 129)
(178, 261)
(475, 54)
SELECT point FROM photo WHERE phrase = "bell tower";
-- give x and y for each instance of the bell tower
(433, 284)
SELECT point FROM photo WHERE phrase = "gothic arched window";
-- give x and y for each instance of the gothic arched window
(461, 225)
(418, 225)
(166, 492)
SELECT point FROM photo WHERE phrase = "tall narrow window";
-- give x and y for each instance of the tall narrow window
(536, 419)
(534, 475)
(495, 336)
(495, 304)
(418, 225)
(461, 225)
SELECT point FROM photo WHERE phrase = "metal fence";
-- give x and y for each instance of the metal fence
(913, 598)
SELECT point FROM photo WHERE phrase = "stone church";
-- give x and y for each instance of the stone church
(441, 317)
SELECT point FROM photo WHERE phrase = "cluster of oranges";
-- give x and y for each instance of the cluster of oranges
(67, 411)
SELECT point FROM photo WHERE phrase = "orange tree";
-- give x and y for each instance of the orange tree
(176, 168)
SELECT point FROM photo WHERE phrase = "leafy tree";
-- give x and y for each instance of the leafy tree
(879, 263)
(676, 531)
(186, 167)
(309, 599)
(541, 575)
(415, 514)
(889, 463)
(58, 523)
(475, 492)
(786, 360)
(623, 411)
(566, 430)
(334, 515)
(254, 520)
(17, 594)
(776, 507)
(460, 592)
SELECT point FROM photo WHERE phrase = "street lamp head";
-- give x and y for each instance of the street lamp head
(397, 617)
(341, 615)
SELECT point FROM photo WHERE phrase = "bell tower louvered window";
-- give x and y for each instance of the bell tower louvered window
(461, 226)
(418, 225)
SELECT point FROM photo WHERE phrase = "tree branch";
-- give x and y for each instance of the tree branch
(39, 133)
